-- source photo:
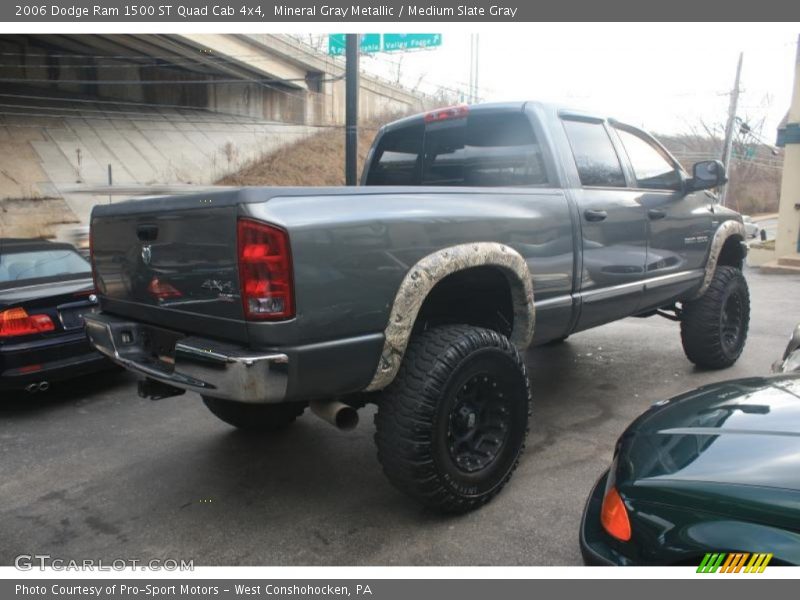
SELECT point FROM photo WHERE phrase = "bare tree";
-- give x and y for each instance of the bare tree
(755, 169)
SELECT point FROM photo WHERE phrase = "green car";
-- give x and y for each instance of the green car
(716, 469)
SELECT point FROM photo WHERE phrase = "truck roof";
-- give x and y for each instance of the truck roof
(513, 106)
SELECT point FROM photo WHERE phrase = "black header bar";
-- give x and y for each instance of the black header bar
(342, 11)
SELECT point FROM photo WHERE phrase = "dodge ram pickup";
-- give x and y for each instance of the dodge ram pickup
(477, 232)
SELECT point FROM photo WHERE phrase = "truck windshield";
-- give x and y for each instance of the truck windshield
(483, 150)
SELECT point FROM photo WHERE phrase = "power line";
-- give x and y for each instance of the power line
(169, 119)
(98, 101)
(157, 81)
(131, 64)
(202, 56)
(89, 110)
(145, 119)
(459, 88)
(194, 130)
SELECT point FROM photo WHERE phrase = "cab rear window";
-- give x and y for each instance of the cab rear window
(398, 157)
(483, 150)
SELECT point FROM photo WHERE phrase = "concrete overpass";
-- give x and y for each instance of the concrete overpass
(161, 109)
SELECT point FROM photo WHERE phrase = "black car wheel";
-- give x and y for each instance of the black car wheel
(451, 427)
(254, 417)
(714, 327)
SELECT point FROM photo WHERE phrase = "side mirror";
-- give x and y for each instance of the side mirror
(794, 343)
(791, 356)
(707, 174)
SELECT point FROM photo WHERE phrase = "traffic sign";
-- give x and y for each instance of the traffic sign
(410, 41)
(370, 42)
(391, 42)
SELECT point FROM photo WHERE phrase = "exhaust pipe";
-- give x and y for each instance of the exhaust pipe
(338, 414)
(42, 386)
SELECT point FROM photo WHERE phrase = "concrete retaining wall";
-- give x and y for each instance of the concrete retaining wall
(49, 157)
(34, 217)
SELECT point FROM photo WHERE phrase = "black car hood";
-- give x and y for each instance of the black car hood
(744, 432)
(25, 293)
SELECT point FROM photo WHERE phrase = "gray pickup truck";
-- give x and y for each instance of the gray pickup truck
(478, 231)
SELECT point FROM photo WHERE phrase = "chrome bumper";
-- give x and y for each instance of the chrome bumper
(204, 366)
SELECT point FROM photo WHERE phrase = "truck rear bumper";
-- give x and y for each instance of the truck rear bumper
(199, 365)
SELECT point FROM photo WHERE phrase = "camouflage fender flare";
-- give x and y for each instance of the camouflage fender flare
(721, 235)
(429, 271)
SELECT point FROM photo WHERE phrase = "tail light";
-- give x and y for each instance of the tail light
(445, 114)
(163, 289)
(16, 321)
(614, 516)
(265, 271)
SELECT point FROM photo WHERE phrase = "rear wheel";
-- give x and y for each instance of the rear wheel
(254, 417)
(714, 327)
(451, 427)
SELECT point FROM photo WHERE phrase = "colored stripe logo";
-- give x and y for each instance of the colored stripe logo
(734, 562)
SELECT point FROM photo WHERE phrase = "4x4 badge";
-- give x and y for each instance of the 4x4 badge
(224, 287)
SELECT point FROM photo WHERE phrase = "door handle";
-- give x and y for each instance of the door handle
(656, 213)
(592, 214)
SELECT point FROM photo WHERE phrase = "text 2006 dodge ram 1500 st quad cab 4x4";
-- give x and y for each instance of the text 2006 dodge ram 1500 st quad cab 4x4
(478, 232)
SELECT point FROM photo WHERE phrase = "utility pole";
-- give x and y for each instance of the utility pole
(477, 62)
(727, 146)
(474, 42)
(471, 67)
(351, 108)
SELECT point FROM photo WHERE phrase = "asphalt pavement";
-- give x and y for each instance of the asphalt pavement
(90, 470)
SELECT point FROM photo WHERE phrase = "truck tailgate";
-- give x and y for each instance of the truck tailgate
(171, 267)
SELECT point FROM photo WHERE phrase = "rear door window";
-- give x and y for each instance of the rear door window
(595, 157)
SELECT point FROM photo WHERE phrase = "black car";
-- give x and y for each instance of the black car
(45, 289)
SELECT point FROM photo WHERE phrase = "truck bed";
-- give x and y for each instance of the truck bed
(350, 247)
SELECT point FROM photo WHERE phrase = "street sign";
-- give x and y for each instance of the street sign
(410, 41)
(391, 42)
(370, 43)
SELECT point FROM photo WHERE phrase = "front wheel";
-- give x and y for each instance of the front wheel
(451, 427)
(714, 327)
(254, 417)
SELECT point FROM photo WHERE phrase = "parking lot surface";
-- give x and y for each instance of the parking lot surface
(90, 470)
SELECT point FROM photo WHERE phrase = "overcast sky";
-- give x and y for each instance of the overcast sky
(665, 77)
